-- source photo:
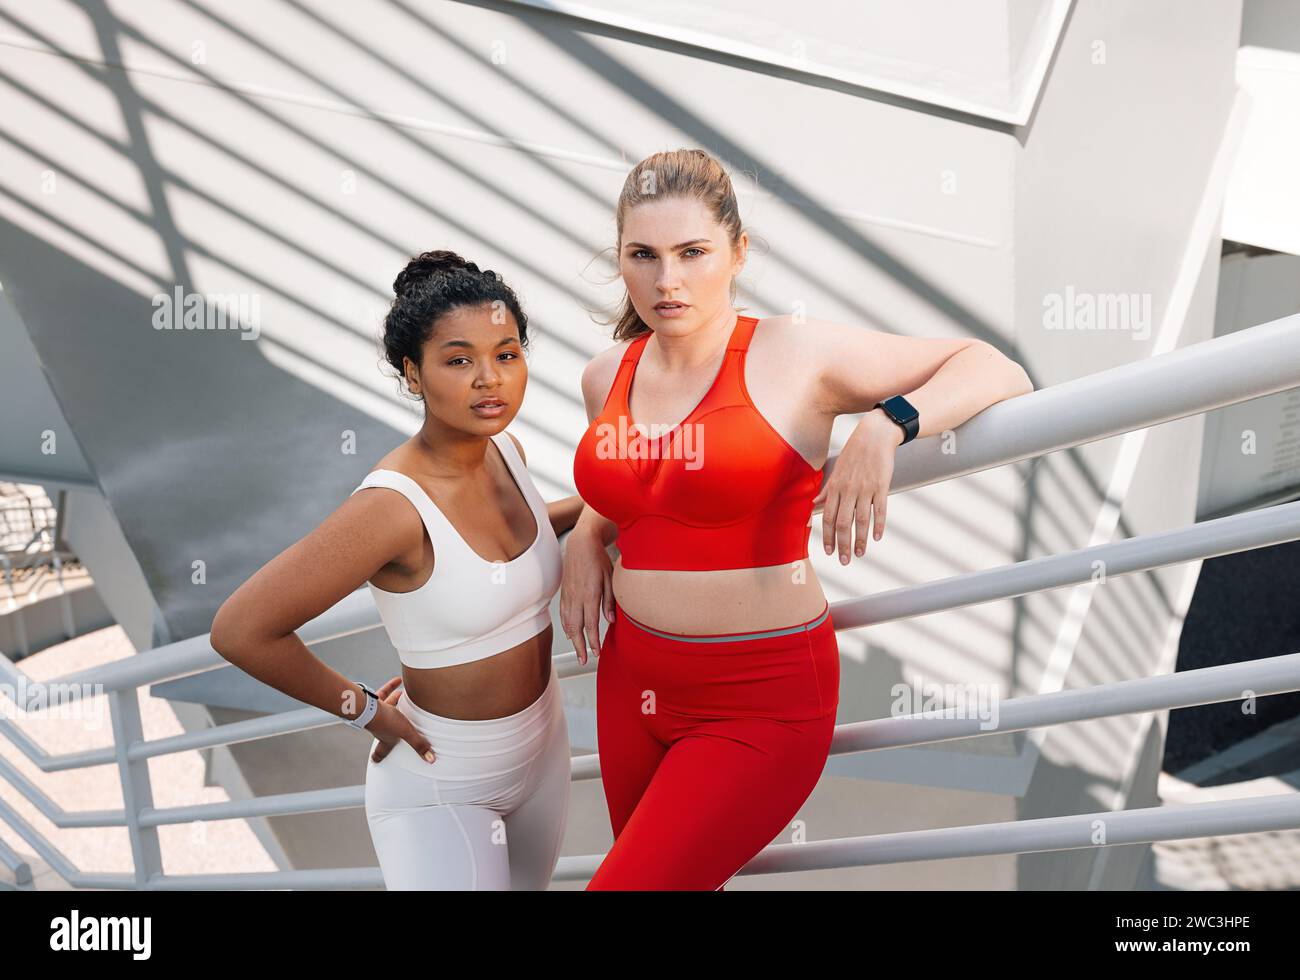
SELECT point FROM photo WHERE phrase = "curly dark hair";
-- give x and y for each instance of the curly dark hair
(434, 283)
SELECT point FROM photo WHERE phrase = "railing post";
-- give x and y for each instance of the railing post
(137, 794)
(65, 602)
(21, 869)
(14, 609)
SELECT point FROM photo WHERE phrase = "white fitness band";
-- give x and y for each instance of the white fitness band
(369, 711)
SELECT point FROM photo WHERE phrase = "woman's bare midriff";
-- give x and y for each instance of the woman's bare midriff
(728, 600)
(494, 687)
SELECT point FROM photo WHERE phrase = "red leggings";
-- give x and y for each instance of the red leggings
(709, 744)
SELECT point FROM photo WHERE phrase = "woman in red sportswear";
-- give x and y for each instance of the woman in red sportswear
(718, 677)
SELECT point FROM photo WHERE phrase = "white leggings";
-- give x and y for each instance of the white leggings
(487, 814)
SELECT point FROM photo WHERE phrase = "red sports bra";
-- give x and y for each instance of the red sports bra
(722, 489)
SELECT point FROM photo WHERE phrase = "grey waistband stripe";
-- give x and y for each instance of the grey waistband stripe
(764, 634)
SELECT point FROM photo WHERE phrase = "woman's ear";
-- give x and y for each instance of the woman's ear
(412, 374)
(742, 253)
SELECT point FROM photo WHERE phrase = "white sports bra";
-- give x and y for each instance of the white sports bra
(470, 608)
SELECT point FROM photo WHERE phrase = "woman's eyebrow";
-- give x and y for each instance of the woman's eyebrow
(693, 241)
(465, 343)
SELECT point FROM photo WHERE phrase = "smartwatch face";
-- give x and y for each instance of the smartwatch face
(901, 408)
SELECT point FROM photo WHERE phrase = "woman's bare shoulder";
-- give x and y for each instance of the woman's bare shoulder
(598, 375)
(391, 506)
(796, 342)
(402, 458)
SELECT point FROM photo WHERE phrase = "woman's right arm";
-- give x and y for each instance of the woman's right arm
(587, 588)
(255, 628)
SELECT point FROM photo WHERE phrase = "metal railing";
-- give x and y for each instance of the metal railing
(27, 518)
(33, 558)
(1223, 371)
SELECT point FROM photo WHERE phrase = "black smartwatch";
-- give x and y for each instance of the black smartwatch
(901, 411)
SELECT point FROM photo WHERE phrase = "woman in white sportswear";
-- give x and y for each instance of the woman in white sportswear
(467, 783)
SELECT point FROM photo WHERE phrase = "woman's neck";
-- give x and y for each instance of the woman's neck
(691, 352)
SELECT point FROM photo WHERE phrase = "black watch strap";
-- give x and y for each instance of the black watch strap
(901, 411)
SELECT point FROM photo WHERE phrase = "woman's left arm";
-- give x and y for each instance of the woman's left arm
(947, 381)
(564, 513)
